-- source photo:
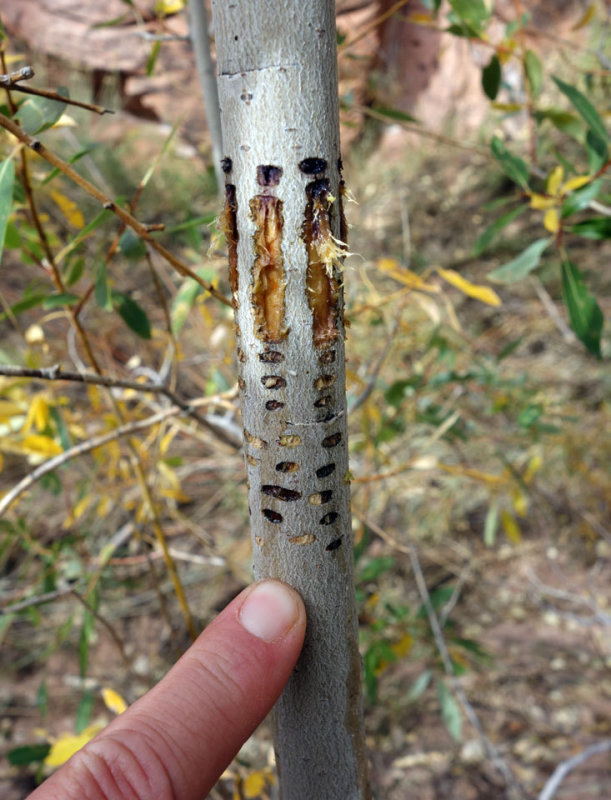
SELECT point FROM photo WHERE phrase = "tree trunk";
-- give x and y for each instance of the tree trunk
(277, 76)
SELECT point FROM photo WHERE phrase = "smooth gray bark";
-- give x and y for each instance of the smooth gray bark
(277, 78)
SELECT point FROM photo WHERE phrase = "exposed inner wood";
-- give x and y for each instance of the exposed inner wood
(268, 279)
(324, 255)
(229, 225)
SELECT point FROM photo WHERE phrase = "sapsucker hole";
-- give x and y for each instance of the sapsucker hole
(226, 165)
(281, 493)
(268, 175)
(255, 441)
(334, 545)
(323, 401)
(271, 357)
(324, 381)
(324, 472)
(329, 518)
(312, 166)
(304, 538)
(272, 516)
(273, 382)
(332, 441)
(289, 440)
(320, 498)
(273, 405)
(287, 466)
(327, 357)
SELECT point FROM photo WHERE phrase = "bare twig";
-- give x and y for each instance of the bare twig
(80, 449)
(55, 373)
(563, 769)
(109, 205)
(9, 80)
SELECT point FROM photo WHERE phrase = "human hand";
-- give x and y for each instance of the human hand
(174, 743)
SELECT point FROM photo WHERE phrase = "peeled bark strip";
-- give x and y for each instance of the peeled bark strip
(277, 77)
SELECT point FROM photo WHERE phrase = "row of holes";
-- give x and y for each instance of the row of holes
(276, 517)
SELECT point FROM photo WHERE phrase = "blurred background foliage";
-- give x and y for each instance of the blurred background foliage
(476, 148)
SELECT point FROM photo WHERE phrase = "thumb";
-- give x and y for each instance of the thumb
(177, 739)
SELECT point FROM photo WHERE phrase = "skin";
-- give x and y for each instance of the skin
(174, 743)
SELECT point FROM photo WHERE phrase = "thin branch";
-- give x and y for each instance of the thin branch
(109, 205)
(80, 449)
(9, 80)
(563, 769)
(55, 373)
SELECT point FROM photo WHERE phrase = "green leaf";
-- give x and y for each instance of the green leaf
(534, 72)
(7, 181)
(102, 287)
(491, 525)
(36, 114)
(419, 686)
(84, 640)
(83, 712)
(594, 228)
(185, 297)
(566, 122)
(28, 754)
(95, 223)
(580, 198)
(450, 712)
(60, 299)
(132, 314)
(75, 273)
(152, 59)
(512, 165)
(519, 267)
(473, 12)
(76, 157)
(583, 106)
(491, 77)
(584, 312)
(493, 230)
(394, 113)
(598, 152)
(131, 245)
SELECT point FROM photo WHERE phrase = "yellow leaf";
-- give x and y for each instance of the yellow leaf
(104, 506)
(482, 293)
(80, 508)
(509, 107)
(520, 502)
(534, 465)
(541, 202)
(551, 220)
(167, 7)
(40, 445)
(405, 276)
(511, 527)
(372, 601)
(254, 784)
(65, 121)
(8, 410)
(38, 414)
(476, 474)
(69, 209)
(113, 701)
(403, 646)
(68, 744)
(589, 13)
(575, 183)
(554, 180)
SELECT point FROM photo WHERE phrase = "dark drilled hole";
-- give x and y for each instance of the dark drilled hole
(324, 472)
(323, 401)
(273, 382)
(329, 518)
(312, 166)
(328, 357)
(241, 355)
(329, 416)
(325, 496)
(288, 495)
(268, 175)
(324, 381)
(273, 405)
(288, 466)
(272, 516)
(226, 165)
(332, 441)
(271, 357)
(334, 544)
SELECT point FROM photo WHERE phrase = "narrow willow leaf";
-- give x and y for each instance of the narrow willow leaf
(60, 299)
(491, 77)
(534, 72)
(473, 12)
(598, 151)
(450, 711)
(520, 267)
(69, 209)
(28, 754)
(7, 180)
(132, 314)
(511, 527)
(566, 122)
(580, 198)
(512, 165)
(491, 525)
(394, 114)
(587, 111)
(594, 228)
(420, 685)
(152, 59)
(493, 230)
(36, 114)
(482, 293)
(584, 312)
(102, 287)
(83, 712)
